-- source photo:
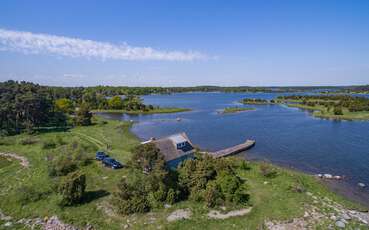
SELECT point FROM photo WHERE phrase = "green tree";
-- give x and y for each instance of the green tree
(83, 116)
(72, 188)
(115, 102)
(146, 157)
(337, 111)
(64, 105)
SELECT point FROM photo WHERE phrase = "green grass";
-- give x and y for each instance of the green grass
(273, 200)
(153, 111)
(322, 112)
(236, 110)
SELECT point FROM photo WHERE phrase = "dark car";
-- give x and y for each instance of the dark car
(112, 163)
(101, 155)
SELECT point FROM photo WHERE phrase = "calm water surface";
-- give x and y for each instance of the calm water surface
(286, 136)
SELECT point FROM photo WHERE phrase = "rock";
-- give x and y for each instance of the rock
(319, 175)
(180, 214)
(8, 224)
(327, 176)
(340, 224)
(125, 226)
(309, 193)
(337, 177)
(345, 216)
(213, 214)
(362, 185)
(333, 218)
(167, 205)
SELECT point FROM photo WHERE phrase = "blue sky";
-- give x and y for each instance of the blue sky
(185, 43)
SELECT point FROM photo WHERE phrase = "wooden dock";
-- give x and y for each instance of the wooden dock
(234, 149)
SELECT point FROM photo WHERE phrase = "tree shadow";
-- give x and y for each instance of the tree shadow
(94, 195)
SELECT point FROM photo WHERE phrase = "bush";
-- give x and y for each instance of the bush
(337, 111)
(72, 188)
(213, 195)
(171, 196)
(59, 140)
(27, 194)
(213, 181)
(132, 196)
(61, 165)
(30, 140)
(267, 170)
(7, 141)
(48, 144)
(146, 157)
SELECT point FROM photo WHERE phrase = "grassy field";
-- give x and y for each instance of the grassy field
(322, 112)
(236, 110)
(153, 111)
(270, 198)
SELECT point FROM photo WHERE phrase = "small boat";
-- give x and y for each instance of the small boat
(179, 119)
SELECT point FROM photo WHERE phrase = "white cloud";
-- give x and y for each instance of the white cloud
(31, 43)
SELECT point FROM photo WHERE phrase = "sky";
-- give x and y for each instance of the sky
(185, 43)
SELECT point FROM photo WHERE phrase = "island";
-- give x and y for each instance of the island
(256, 101)
(340, 107)
(236, 110)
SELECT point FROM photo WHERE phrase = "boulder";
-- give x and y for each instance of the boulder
(340, 224)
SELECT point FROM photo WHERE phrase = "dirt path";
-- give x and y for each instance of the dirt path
(91, 139)
(23, 161)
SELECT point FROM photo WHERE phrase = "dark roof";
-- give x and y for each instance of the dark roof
(168, 146)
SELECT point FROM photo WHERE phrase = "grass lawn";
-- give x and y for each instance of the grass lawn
(270, 198)
(153, 111)
(236, 110)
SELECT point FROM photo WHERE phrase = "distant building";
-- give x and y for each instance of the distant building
(175, 148)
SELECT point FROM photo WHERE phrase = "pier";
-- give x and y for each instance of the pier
(234, 149)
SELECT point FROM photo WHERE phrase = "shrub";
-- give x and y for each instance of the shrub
(267, 170)
(146, 157)
(30, 140)
(48, 144)
(171, 196)
(27, 194)
(244, 165)
(132, 196)
(61, 165)
(7, 141)
(337, 111)
(213, 195)
(59, 140)
(228, 184)
(72, 188)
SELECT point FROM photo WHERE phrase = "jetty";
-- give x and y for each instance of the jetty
(234, 149)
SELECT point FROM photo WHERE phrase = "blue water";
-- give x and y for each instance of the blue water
(286, 136)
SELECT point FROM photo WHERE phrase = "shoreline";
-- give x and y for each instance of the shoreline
(339, 187)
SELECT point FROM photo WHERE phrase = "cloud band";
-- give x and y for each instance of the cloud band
(31, 43)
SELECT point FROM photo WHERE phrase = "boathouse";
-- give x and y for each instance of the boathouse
(175, 148)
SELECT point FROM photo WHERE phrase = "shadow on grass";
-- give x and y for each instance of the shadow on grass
(94, 195)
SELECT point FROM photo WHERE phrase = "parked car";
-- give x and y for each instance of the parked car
(101, 155)
(112, 163)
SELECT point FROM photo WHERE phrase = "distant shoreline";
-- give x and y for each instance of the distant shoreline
(138, 112)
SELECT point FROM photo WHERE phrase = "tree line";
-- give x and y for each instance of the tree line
(334, 102)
